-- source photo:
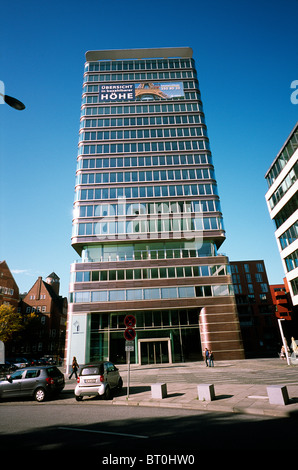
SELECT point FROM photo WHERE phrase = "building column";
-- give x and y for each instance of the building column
(220, 332)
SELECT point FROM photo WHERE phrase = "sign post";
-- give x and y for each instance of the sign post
(129, 335)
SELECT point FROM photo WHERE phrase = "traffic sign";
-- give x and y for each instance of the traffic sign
(129, 346)
(130, 321)
(130, 334)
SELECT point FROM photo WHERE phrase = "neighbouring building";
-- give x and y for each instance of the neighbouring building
(284, 309)
(147, 222)
(9, 291)
(282, 201)
(256, 309)
(48, 336)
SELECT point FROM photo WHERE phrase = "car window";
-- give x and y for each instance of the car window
(32, 373)
(92, 370)
(53, 372)
(18, 374)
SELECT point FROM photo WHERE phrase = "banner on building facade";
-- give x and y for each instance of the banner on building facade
(140, 91)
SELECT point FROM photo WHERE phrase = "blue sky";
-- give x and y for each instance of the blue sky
(247, 57)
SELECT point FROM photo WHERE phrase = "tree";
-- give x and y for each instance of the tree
(11, 322)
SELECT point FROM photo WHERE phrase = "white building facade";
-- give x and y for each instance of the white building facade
(282, 201)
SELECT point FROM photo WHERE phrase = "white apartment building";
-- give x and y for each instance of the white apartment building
(282, 201)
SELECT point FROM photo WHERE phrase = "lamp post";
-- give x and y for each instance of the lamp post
(284, 340)
(13, 102)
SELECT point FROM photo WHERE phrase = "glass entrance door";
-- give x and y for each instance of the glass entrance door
(154, 352)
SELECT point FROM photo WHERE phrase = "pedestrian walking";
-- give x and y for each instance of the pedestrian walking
(74, 367)
(211, 359)
(282, 353)
(206, 356)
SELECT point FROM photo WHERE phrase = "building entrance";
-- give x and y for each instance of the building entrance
(154, 351)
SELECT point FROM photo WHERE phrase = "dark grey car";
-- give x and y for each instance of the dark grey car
(38, 382)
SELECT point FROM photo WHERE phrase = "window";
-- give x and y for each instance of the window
(32, 373)
(116, 295)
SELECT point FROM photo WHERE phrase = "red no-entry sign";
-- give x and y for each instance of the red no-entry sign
(130, 321)
(129, 334)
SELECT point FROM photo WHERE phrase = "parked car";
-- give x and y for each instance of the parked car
(98, 380)
(39, 382)
(7, 368)
(20, 362)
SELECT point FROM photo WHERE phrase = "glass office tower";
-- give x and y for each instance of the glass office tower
(147, 222)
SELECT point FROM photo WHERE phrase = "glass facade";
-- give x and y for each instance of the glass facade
(147, 221)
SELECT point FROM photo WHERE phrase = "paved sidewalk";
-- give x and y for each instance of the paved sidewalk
(182, 381)
(234, 398)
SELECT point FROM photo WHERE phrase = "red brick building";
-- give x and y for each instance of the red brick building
(255, 308)
(284, 309)
(44, 298)
(9, 291)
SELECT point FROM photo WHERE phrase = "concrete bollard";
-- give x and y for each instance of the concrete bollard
(206, 392)
(278, 394)
(159, 390)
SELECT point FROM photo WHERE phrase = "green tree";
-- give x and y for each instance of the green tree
(11, 322)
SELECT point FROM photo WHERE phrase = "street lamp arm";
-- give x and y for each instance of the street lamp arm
(13, 102)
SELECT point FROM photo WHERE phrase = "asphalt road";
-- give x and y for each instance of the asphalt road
(136, 432)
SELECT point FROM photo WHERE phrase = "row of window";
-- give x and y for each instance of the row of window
(235, 269)
(263, 286)
(236, 278)
(294, 285)
(94, 99)
(283, 159)
(186, 224)
(144, 121)
(250, 297)
(287, 210)
(43, 308)
(147, 191)
(150, 293)
(145, 176)
(143, 133)
(134, 76)
(148, 273)
(289, 236)
(142, 109)
(286, 184)
(138, 147)
(101, 253)
(148, 64)
(148, 318)
(139, 208)
(6, 290)
(292, 261)
(155, 160)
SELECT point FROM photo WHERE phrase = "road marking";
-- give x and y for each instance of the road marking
(104, 432)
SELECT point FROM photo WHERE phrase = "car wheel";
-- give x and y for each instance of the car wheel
(108, 394)
(79, 398)
(40, 395)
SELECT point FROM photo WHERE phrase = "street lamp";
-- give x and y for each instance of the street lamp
(13, 102)
(284, 340)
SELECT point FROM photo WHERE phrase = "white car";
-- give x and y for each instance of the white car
(98, 380)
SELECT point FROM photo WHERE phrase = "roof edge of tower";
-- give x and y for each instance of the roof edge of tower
(116, 54)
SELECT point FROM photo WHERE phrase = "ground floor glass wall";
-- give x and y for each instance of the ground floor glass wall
(162, 336)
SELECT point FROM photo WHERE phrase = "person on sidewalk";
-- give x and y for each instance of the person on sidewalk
(211, 359)
(74, 367)
(206, 356)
